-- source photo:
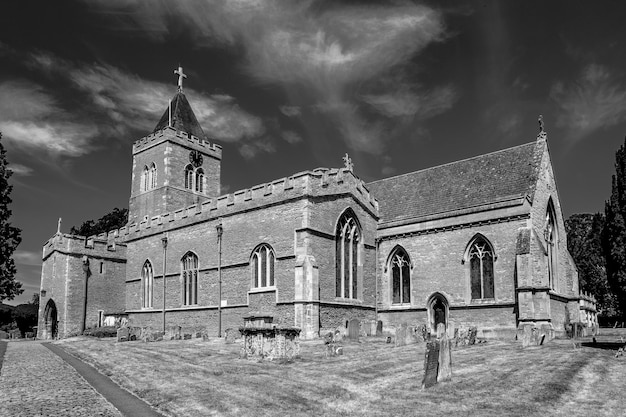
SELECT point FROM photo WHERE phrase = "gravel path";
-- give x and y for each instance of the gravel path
(36, 382)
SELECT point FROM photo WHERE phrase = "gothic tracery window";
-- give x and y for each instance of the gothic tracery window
(347, 239)
(189, 278)
(263, 266)
(400, 277)
(147, 283)
(481, 259)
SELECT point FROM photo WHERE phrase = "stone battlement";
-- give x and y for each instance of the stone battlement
(109, 245)
(169, 133)
(321, 181)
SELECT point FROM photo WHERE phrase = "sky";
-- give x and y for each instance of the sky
(287, 86)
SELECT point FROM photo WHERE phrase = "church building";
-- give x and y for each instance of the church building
(479, 242)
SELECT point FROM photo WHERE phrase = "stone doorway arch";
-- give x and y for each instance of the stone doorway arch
(51, 322)
(438, 311)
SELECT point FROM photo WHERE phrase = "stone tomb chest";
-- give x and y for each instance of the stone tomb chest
(264, 340)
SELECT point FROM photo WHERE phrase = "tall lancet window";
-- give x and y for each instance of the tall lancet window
(481, 268)
(551, 236)
(347, 239)
(145, 176)
(189, 279)
(189, 177)
(400, 266)
(200, 180)
(147, 283)
(153, 176)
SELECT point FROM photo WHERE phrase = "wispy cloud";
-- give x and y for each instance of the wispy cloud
(27, 258)
(323, 54)
(20, 170)
(595, 100)
(33, 120)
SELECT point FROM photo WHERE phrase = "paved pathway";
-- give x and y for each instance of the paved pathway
(36, 381)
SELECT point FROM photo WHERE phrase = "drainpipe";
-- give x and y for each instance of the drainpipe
(220, 231)
(164, 242)
(377, 242)
(86, 271)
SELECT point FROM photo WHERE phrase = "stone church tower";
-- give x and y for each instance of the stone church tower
(175, 166)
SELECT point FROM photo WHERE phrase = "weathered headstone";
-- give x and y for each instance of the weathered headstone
(472, 335)
(431, 364)
(354, 328)
(379, 328)
(401, 335)
(231, 335)
(173, 333)
(441, 330)
(526, 337)
(444, 372)
(187, 336)
(122, 334)
(338, 335)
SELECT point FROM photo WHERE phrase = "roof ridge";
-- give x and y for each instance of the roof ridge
(454, 162)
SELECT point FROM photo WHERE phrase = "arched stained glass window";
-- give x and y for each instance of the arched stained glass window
(189, 279)
(147, 283)
(481, 268)
(263, 267)
(347, 241)
(400, 266)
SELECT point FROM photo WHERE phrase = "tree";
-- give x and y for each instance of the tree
(614, 232)
(10, 236)
(584, 242)
(25, 315)
(110, 221)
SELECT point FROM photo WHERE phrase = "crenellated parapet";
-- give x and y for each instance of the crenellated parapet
(319, 182)
(104, 245)
(183, 138)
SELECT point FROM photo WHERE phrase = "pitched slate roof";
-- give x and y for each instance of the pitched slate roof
(482, 180)
(183, 117)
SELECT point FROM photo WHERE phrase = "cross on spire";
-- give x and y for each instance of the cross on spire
(181, 75)
(348, 162)
(542, 133)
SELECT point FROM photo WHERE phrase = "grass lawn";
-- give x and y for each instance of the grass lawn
(196, 378)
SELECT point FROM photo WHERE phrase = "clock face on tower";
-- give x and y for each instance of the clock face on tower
(195, 158)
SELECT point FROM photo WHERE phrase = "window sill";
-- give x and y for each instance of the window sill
(354, 301)
(483, 301)
(400, 306)
(263, 289)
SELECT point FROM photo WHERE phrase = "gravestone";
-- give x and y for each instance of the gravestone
(527, 336)
(445, 360)
(122, 334)
(401, 335)
(379, 328)
(231, 335)
(187, 336)
(441, 330)
(338, 336)
(173, 333)
(354, 328)
(472, 335)
(431, 364)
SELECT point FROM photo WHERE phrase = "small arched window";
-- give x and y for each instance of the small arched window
(153, 176)
(147, 283)
(481, 259)
(189, 177)
(189, 279)
(263, 266)
(552, 241)
(347, 238)
(400, 267)
(200, 180)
